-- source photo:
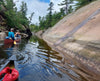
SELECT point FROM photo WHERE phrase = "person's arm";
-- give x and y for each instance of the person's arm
(15, 34)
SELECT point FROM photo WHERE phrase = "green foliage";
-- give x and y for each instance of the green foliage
(70, 9)
(30, 18)
(52, 18)
(50, 14)
(23, 9)
(18, 19)
(10, 18)
(1, 3)
(9, 4)
(67, 5)
(34, 27)
(81, 3)
(56, 17)
(45, 20)
(14, 18)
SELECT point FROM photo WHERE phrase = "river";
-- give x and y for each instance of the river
(38, 62)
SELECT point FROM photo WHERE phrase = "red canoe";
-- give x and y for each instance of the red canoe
(10, 41)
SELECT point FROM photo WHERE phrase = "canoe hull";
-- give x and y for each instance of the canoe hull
(12, 64)
(10, 41)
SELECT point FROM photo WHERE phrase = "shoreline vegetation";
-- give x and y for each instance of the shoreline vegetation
(11, 17)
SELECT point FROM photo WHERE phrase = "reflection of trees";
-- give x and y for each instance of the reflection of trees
(48, 60)
(2, 53)
(23, 44)
(50, 57)
(33, 39)
(46, 51)
(8, 48)
(3, 57)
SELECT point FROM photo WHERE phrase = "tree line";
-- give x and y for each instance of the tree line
(53, 17)
(15, 18)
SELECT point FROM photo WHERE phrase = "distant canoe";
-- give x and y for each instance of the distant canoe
(10, 41)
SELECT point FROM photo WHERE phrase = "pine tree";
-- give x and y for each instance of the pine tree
(81, 3)
(23, 9)
(30, 18)
(66, 3)
(50, 14)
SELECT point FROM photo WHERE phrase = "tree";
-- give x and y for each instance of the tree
(10, 13)
(42, 23)
(9, 4)
(66, 3)
(50, 13)
(62, 11)
(14, 18)
(70, 9)
(30, 18)
(81, 3)
(23, 9)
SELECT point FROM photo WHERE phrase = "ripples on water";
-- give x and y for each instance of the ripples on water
(38, 62)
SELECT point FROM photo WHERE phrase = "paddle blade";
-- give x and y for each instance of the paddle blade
(14, 42)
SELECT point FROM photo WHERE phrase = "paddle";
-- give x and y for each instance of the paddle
(14, 42)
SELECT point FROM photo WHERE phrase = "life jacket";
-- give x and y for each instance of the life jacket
(4, 71)
(10, 75)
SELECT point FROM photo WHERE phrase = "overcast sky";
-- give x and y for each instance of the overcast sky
(39, 7)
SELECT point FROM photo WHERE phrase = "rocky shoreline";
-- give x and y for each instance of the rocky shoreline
(82, 44)
(87, 65)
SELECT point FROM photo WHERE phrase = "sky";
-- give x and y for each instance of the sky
(39, 7)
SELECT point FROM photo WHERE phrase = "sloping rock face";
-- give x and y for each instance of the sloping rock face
(85, 42)
(73, 20)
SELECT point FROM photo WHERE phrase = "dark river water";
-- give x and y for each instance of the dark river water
(38, 62)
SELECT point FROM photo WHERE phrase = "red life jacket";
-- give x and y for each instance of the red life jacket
(4, 71)
(10, 76)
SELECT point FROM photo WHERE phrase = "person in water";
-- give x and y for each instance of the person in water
(11, 34)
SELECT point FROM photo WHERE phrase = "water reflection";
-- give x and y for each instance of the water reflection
(3, 57)
(38, 62)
